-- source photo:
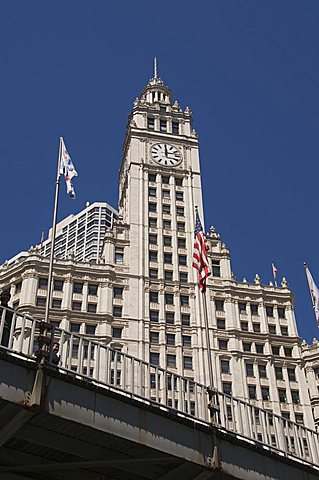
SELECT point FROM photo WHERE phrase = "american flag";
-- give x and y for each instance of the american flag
(67, 169)
(274, 270)
(200, 260)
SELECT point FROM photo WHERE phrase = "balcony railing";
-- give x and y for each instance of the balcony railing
(109, 368)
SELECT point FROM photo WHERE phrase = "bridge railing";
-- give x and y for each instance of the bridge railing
(113, 369)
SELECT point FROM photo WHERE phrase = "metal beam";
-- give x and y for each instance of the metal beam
(186, 471)
(12, 420)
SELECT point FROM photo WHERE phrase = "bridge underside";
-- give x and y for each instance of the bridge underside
(77, 430)
(43, 446)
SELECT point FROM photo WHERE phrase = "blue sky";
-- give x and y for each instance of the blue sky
(249, 71)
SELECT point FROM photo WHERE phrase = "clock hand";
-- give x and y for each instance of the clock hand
(166, 152)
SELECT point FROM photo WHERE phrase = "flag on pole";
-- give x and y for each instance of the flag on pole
(200, 260)
(67, 169)
(274, 270)
(42, 238)
(314, 292)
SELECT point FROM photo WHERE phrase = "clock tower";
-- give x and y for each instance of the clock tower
(159, 187)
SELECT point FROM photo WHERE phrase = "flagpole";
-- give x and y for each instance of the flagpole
(55, 211)
(209, 351)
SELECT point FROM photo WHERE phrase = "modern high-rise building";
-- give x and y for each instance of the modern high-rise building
(82, 235)
(144, 293)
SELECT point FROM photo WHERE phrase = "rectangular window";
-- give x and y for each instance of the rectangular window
(56, 303)
(170, 318)
(180, 226)
(250, 370)
(299, 418)
(170, 339)
(171, 361)
(223, 344)
(151, 177)
(75, 327)
(150, 123)
(169, 299)
(282, 395)
(187, 340)
(252, 392)
(226, 388)
(166, 194)
(154, 337)
(224, 366)
(186, 320)
(152, 207)
(178, 182)
(254, 309)
(259, 348)
(275, 350)
(281, 312)
(272, 329)
(269, 311)
(180, 211)
(284, 331)
(291, 374)
(278, 373)
(242, 307)
(256, 327)
(183, 277)
(265, 393)
(168, 275)
(181, 242)
(167, 224)
(167, 241)
(117, 332)
(76, 306)
(163, 125)
(117, 292)
(165, 180)
(41, 301)
(219, 305)
(152, 223)
(262, 371)
(154, 315)
(152, 192)
(93, 289)
(179, 196)
(154, 358)
(166, 209)
(154, 297)
(184, 300)
(152, 256)
(295, 397)
(175, 127)
(221, 324)
(247, 347)
(216, 268)
(90, 329)
(168, 258)
(182, 260)
(288, 351)
(77, 287)
(244, 326)
(58, 285)
(152, 238)
(153, 273)
(188, 362)
(119, 254)
(117, 311)
(42, 284)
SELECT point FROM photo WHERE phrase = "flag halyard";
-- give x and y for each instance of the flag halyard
(67, 169)
(200, 259)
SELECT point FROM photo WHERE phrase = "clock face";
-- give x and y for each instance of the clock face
(166, 154)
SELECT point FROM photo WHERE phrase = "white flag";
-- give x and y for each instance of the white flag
(314, 292)
(67, 169)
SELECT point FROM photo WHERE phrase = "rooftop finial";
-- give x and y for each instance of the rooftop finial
(155, 67)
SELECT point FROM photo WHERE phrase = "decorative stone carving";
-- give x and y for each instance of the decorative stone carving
(257, 279)
(284, 283)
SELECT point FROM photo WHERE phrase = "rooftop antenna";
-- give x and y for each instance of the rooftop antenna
(155, 67)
